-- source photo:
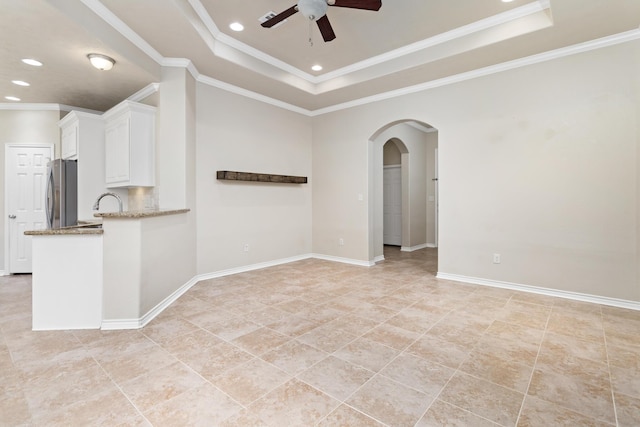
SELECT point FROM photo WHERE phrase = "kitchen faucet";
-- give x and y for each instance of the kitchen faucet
(96, 205)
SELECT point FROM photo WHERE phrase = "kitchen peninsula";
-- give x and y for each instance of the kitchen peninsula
(104, 275)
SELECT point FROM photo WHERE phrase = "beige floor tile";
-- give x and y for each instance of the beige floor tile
(411, 320)
(294, 403)
(336, 377)
(627, 410)
(584, 394)
(215, 361)
(626, 381)
(187, 355)
(367, 354)
(508, 373)
(294, 357)
(204, 405)
(122, 367)
(440, 351)
(390, 402)
(109, 408)
(260, 341)
(293, 326)
(444, 414)
(586, 327)
(50, 393)
(345, 416)
(624, 357)
(244, 418)
(510, 332)
(233, 328)
(536, 412)
(14, 408)
(164, 330)
(565, 347)
(327, 338)
(392, 336)
(250, 381)
(483, 398)
(161, 385)
(420, 374)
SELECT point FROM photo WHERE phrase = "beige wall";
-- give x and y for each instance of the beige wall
(239, 134)
(538, 164)
(24, 126)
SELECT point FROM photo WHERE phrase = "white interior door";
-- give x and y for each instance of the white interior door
(25, 183)
(392, 196)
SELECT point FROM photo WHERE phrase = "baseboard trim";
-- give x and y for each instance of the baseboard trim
(250, 267)
(2, 273)
(120, 324)
(413, 248)
(344, 260)
(379, 258)
(576, 296)
(432, 245)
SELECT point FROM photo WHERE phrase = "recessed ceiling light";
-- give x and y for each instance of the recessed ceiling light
(507, 1)
(12, 98)
(20, 83)
(236, 26)
(317, 67)
(33, 62)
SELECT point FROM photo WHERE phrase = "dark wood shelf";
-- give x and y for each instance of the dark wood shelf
(260, 177)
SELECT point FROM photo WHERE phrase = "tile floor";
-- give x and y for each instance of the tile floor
(316, 343)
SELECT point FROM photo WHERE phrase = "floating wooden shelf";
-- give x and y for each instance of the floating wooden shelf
(260, 177)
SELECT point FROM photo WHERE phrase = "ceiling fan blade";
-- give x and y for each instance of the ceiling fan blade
(280, 17)
(325, 29)
(358, 4)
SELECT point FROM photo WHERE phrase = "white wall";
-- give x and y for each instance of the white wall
(238, 134)
(538, 164)
(24, 126)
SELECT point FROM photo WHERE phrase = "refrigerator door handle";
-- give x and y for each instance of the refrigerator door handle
(50, 195)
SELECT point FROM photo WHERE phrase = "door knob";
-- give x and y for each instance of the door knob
(12, 217)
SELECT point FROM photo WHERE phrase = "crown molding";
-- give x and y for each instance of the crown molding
(493, 69)
(109, 17)
(45, 107)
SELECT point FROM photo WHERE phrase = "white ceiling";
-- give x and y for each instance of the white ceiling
(406, 43)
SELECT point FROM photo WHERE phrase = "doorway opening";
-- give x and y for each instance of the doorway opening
(403, 187)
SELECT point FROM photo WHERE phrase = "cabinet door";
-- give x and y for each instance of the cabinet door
(117, 151)
(69, 142)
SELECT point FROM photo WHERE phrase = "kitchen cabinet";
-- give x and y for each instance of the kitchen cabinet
(82, 139)
(69, 137)
(130, 145)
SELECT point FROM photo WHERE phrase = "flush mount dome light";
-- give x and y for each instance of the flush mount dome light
(101, 62)
(313, 9)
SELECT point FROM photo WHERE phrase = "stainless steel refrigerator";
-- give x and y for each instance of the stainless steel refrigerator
(62, 193)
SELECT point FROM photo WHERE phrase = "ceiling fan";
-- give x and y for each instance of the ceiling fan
(316, 10)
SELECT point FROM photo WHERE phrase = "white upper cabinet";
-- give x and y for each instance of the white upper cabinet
(130, 145)
(82, 139)
(69, 136)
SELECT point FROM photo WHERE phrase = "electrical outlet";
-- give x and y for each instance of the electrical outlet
(496, 258)
(341, 242)
(246, 247)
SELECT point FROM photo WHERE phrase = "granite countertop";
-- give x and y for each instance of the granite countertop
(75, 230)
(140, 214)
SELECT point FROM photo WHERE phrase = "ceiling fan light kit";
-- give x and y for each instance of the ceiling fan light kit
(316, 10)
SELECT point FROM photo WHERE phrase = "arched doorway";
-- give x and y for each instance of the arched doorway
(417, 143)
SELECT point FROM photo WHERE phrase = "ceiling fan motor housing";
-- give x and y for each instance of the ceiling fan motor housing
(313, 9)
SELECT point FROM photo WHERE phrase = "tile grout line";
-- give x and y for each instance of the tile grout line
(535, 363)
(606, 349)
